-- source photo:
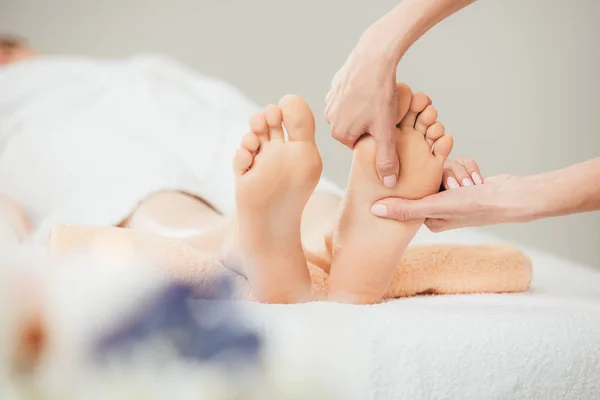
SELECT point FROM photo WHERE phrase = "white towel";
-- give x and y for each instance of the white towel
(544, 344)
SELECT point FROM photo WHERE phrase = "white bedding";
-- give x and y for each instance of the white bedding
(544, 344)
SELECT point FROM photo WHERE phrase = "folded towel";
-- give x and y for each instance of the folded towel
(425, 269)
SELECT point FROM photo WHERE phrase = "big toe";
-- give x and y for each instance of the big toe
(298, 119)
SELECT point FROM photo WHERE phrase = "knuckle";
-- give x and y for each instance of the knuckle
(338, 134)
(459, 170)
(401, 213)
(386, 163)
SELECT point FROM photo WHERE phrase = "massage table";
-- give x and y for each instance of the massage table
(544, 344)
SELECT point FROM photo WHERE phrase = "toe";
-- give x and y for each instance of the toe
(250, 142)
(418, 103)
(259, 127)
(242, 160)
(274, 120)
(297, 118)
(434, 132)
(443, 147)
(426, 118)
(404, 97)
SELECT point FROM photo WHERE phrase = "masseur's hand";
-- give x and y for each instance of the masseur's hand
(363, 99)
(469, 200)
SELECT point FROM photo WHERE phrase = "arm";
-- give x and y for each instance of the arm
(363, 95)
(571, 190)
(398, 30)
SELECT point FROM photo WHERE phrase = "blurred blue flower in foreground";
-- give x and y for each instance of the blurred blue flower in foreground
(200, 326)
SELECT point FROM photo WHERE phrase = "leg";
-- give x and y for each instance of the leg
(174, 214)
(318, 222)
(274, 181)
(368, 249)
(181, 216)
(14, 223)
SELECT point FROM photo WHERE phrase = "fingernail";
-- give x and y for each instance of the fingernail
(453, 183)
(379, 210)
(477, 178)
(467, 182)
(389, 181)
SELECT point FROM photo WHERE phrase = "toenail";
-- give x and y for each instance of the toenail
(379, 210)
(477, 178)
(452, 183)
(389, 181)
(467, 182)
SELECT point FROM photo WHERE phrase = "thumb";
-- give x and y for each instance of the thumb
(387, 158)
(404, 210)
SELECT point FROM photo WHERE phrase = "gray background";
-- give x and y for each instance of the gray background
(516, 81)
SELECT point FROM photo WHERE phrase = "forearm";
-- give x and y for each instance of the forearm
(571, 190)
(411, 19)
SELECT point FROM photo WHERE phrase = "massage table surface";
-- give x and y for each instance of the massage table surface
(544, 344)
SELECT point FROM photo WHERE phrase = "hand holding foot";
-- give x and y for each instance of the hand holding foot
(499, 199)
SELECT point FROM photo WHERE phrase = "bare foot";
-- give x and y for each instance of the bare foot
(274, 180)
(367, 249)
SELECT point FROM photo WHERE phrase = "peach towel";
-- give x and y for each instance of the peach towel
(424, 269)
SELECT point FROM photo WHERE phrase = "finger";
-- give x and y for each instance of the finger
(329, 108)
(461, 174)
(433, 206)
(437, 225)
(345, 138)
(473, 169)
(448, 179)
(328, 98)
(387, 159)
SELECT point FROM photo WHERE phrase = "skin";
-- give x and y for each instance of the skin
(361, 100)
(363, 93)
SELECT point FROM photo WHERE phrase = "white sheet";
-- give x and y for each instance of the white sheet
(544, 344)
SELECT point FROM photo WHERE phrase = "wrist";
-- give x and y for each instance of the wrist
(379, 47)
(514, 201)
(388, 39)
(534, 197)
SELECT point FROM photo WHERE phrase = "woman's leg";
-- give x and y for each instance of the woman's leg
(181, 216)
